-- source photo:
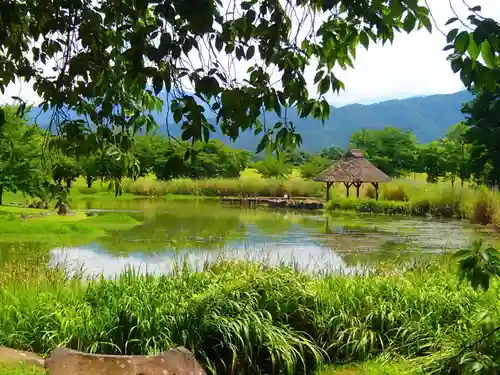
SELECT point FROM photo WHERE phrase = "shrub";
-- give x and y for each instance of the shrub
(482, 212)
(369, 206)
(421, 207)
(395, 193)
(370, 192)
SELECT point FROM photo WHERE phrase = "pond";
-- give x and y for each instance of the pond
(197, 233)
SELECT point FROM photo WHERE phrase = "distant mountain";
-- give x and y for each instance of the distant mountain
(428, 117)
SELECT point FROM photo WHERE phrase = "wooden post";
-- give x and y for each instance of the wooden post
(358, 185)
(347, 186)
(375, 185)
(328, 186)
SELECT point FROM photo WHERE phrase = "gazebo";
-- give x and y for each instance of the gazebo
(353, 170)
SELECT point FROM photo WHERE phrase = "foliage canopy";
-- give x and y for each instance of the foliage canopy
(113, 61)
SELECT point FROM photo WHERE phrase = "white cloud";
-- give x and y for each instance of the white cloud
(413, 65)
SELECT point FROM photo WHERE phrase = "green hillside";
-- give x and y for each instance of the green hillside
(428, 117)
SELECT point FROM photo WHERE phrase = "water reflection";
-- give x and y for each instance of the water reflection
(197, 233)
(93, 260)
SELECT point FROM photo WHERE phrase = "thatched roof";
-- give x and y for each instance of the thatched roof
(352, 168)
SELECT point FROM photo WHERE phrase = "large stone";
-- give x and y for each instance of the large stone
(63, 209)
(11, 357)
(179, 361)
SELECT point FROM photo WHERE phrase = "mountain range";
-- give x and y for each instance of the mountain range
(428, 117)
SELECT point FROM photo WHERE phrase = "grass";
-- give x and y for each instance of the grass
(28, 224)
(245, 186)
(244, 317)
(8, 370)
(406, 197)
(373, 367)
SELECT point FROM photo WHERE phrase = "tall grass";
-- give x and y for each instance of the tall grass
(479, 205)
(242, 317)
(226, 187)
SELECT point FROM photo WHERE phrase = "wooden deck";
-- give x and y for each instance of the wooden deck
(274, 202)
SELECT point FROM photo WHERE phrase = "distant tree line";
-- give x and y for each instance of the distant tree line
(397, 153)
(43, 165)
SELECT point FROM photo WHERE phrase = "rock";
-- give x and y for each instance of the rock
(63, 209)
(13, 357)
(91, 213)
(179, 361)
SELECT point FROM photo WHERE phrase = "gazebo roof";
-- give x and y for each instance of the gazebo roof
(352, 168)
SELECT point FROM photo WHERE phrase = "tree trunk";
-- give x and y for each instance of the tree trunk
(1, 195)
(452, 183)
(90, 180)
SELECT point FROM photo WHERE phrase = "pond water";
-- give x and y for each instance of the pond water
(196, 233)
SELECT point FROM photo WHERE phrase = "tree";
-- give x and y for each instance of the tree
(314, 166)
(457, 153)
(147, 149)
(298, 157)
(202, 160)
(20, 147)
(483, 135)
(332, 153)
(433, 161)
(116, 61)
(273, 166)
(391, 150)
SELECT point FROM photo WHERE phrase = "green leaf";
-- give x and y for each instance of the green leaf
(157, 83)
(488, 54)
(318, 76)
(474, 49)
(364, 40)
(451, 20)
(263, 143)
(218, 43)
(480, 34)
(250, 52)
(462, 42)
(456, 65)
(306, 109)
(177, 116)
(187, 134)
(324, 86)
(461, 253)
(451, 35)
(409, 22)
(427, 23)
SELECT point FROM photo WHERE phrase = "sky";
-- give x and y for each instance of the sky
(414, 65)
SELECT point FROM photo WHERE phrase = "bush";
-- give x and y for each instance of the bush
(395, 193)
(369, 206)
(421, 207)
(370, 192)
(485, 208)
